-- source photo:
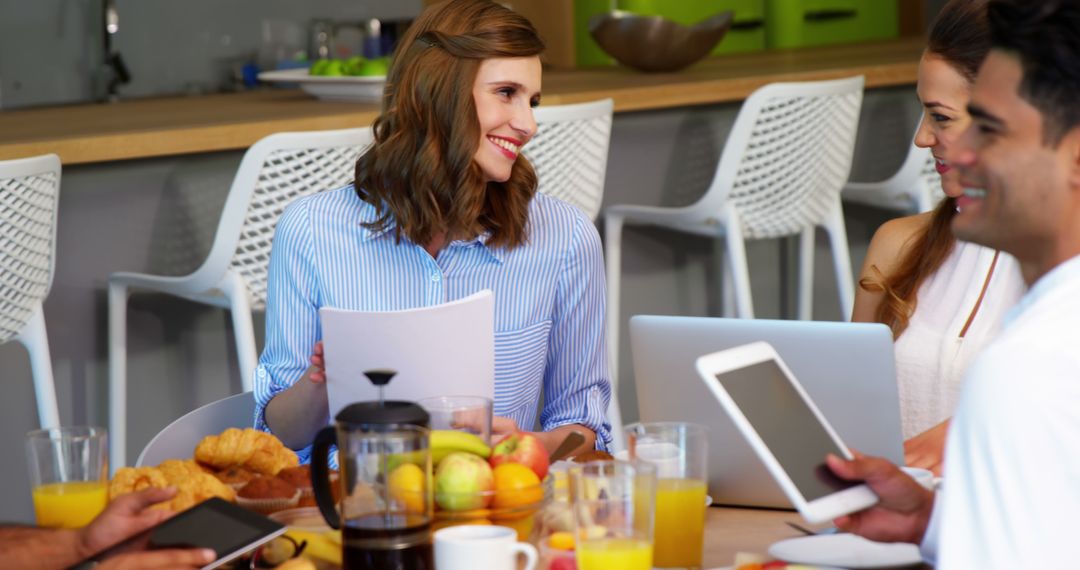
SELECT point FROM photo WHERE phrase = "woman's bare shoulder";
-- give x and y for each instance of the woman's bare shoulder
(893, 238)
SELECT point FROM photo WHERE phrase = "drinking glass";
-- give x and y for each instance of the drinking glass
(69, 474)
(462, 413)
(613, 504)
(679, 451)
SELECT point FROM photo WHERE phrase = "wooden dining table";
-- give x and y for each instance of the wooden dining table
(730, 530)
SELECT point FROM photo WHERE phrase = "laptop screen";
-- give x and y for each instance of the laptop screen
(787, 425)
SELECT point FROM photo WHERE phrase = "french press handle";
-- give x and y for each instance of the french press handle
(320, 475)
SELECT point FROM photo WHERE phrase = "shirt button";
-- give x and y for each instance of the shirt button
(435, 277)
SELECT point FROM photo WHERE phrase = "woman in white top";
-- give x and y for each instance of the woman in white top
(944, 299)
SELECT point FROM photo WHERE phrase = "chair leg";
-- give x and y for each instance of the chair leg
(615, 419)
(727, 281)
(841, 260)
(806, 274)
(736, 252)
(36, 341)
(243, 329)
(613, 256)
(118, 295)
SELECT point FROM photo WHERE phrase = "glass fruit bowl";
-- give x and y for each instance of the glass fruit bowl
(514, 508)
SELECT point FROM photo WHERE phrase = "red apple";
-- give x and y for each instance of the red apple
(523, 448)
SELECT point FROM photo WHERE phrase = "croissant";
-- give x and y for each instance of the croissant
(193, 484)
(254, 449)
(198, 488)
(132, 479)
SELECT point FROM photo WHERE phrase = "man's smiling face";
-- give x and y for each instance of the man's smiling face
(1020, 196)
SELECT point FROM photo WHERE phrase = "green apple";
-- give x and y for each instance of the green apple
(334, 68)
(353, 65)
(463, 482)
(374, 67)
(319, 67)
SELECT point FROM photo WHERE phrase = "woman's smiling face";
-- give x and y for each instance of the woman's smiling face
(505, 92)
(944, 93)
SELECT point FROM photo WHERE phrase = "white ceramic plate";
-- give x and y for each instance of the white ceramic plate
(331, 88)
(845, 550)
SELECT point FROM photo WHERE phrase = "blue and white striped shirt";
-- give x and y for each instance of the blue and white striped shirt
(549, 301)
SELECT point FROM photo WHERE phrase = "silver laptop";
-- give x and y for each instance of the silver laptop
(846, 368)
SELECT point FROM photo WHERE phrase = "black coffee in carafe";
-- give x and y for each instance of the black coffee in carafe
(400, 542)
(385, 482)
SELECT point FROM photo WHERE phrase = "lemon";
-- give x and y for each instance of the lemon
(406, 483)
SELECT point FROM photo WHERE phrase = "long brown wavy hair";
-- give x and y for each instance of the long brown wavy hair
(960, 35)
(420, 174)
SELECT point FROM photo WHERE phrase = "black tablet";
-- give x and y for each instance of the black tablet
(227, 529)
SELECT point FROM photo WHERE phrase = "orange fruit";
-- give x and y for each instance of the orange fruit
(516, 486)
(406, 483)
(561, 541)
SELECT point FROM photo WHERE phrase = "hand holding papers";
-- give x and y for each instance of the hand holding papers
(446, 349)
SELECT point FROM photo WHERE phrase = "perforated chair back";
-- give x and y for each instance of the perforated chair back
(780, 174)
(178, 439)
(275, 171)
(570, 151)
(29, 197)
(787, 157)
(29, 190)
(916, 186)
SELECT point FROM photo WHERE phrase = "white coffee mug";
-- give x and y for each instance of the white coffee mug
(490, 547)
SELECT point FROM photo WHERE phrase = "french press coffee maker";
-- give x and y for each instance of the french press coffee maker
(384, 482)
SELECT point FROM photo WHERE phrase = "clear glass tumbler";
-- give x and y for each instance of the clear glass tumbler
(613, 505)
(69, 474)
(462, 413)
(679, 451)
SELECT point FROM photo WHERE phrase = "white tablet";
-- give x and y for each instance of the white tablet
(784, 428)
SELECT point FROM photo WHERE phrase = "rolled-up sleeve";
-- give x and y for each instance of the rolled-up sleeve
(577, 388)
(292, 310)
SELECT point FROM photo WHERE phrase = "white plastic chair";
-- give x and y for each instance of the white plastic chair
(916, 187)
(569, 154)
(275, 171)
(178, 439)
(29, 193)
(570, 151)
(781, 171)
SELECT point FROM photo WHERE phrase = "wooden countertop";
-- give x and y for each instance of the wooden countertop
(141, 128)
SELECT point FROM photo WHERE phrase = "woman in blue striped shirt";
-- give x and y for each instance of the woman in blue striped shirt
(444, 206)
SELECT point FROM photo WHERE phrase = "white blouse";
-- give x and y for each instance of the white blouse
(931, 354)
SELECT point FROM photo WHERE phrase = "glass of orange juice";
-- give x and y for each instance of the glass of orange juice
(613, 502)
(69, 474)
(679, 451)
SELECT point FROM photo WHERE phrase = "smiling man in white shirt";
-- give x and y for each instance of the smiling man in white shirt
(1012, 462)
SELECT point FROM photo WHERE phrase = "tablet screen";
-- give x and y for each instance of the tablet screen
(787, 426)
(211, 528)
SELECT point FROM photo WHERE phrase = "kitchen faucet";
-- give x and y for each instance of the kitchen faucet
(115, 69)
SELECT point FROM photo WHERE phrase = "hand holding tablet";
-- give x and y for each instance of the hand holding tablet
(229, 530)
(784, 428)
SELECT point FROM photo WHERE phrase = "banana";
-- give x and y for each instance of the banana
(444, 442)
(322, 545)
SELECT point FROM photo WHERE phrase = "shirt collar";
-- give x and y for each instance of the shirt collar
(369, 215)
(1057, 277)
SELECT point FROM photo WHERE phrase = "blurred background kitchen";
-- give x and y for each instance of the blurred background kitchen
(59, 51)
(158, 215)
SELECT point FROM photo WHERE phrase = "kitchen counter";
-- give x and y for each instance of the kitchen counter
(142, 128)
